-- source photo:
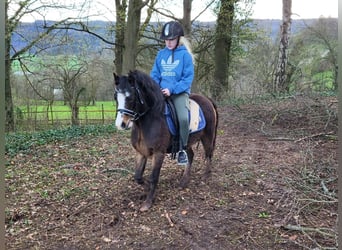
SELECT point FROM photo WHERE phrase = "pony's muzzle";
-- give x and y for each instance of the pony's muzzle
(123, 122)
(127, 125)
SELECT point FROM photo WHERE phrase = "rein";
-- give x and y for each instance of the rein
(133, 114)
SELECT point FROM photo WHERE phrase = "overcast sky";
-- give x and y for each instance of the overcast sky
(263, 9)
(272, 9)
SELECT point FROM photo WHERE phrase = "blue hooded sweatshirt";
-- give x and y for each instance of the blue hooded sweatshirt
(177, 74)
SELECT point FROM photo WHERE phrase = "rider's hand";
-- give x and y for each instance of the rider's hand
(166, 92)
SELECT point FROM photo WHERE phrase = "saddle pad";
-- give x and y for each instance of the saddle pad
(196, 118)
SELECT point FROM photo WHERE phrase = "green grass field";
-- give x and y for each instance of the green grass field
(59, 111)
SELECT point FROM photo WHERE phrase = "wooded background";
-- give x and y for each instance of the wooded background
(237, 58)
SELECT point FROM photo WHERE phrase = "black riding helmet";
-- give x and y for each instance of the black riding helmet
(172, 30)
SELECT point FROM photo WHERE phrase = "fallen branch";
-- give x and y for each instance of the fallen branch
(326, 190)
(309, 229)
(115, 170)
(167, 216)
(322, 201)
(313, 136)
(281, 139)
(81, 208)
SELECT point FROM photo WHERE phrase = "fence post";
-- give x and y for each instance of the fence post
(102, 114)
(35, 118)
(86, 115)
(51, 111)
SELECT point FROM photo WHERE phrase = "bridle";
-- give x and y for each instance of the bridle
(129, 112)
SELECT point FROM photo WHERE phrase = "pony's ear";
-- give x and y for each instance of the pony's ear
(116, 78)
(132, 77)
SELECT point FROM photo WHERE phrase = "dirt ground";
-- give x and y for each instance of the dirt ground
(273, 186)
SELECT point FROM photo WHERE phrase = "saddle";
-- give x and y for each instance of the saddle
(196, 122)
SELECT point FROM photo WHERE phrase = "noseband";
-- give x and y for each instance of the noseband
(131, 113)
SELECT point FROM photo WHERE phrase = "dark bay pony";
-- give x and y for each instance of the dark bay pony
(141, 107)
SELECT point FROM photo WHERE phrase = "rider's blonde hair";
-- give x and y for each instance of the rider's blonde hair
(184, 41)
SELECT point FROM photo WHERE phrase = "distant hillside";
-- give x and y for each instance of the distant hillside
(77, 40)
(272, 26)
(74, 41)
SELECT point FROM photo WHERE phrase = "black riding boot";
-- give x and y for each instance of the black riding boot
(182, 158)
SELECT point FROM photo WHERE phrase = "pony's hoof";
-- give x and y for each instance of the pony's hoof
(184, 183)
(206, 176)
(145, 206)
(140, 181)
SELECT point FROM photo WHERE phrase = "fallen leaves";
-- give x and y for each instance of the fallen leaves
(80, 194)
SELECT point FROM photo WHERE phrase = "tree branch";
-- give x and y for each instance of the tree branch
(39, 37)
(309, 229)
(83, 28)
(313, 136)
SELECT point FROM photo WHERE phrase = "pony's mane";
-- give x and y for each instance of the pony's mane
(150, 89)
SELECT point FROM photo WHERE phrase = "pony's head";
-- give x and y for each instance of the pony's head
(135, 94)
(122, 95)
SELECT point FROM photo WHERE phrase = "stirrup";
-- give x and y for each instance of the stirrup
(182, 158)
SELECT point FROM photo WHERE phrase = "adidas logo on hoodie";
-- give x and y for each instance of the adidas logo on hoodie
(169, 66)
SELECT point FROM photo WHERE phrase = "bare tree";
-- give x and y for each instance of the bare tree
(19, 10)
(9, 115)
(128, 31)
(67, 74)
(325, 32)
(216, 53)
(280, 82)
(223, 42)
(132, 34)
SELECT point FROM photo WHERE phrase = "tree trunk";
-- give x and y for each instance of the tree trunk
(336, 77)
(187, 17)
(121, 7)
(9, 114)
(281, 84)
(223, 41)
(74, 115)
(132, 35)
(75, 109)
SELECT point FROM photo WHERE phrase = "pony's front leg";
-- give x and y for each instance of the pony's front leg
(140, 164)
(157, 162)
